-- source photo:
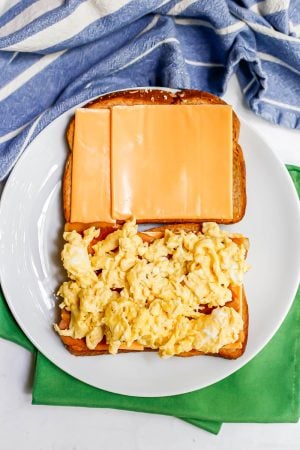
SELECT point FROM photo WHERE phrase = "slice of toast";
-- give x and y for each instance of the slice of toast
(78, 347)
(154, 96)
(160, 97)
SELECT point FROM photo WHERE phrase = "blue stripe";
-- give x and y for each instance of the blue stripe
(20, 62)
(44, 21)
(248, 15)
(4, 59)
(288, 52)
(166, 7)
(275, 115)
(277, 76)
(15, 11)
(279, 20)
(101, 29)
(294, 11)
(194, 41)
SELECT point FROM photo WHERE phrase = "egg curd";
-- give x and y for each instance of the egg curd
(126, 290)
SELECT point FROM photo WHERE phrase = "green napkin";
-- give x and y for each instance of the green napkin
(265, 390)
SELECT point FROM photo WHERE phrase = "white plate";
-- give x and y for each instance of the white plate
(31, 225)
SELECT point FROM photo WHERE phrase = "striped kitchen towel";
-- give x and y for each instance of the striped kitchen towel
(56, 54)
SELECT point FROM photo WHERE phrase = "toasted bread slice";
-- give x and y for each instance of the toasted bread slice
(160, 97)
(78, 347)
(232, 351)
(154, 96)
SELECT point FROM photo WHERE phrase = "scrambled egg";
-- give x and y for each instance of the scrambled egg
(128, 290)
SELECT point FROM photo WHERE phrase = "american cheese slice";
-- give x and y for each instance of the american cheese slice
(171, 162)
(91, 199)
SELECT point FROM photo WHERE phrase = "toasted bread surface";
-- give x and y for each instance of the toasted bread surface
(161, 97)
(232, 351)
(78, 347)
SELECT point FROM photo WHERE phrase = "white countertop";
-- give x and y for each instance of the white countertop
(62, 428)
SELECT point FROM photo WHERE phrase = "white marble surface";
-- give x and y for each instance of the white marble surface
(60, 428)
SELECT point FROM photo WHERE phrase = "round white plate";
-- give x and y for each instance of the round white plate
(31, 226)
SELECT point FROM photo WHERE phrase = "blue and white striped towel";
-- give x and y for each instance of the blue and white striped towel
(55, 54)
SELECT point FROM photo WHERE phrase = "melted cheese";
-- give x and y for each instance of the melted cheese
(91, 199)
(171, 162)
(153, 294)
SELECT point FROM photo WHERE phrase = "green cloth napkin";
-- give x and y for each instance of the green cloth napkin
(267, 389)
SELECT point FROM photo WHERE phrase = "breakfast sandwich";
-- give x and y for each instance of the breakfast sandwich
(154, 157)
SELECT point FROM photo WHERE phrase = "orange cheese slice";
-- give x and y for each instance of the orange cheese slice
(91, 198)
(171, 162)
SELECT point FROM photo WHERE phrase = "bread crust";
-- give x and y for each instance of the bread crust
(161, 97)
